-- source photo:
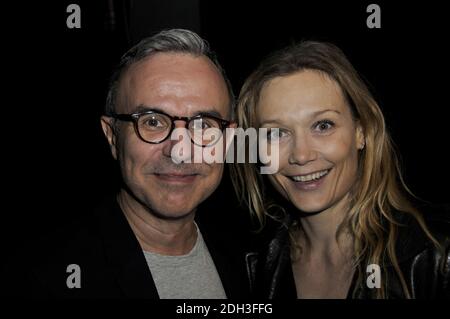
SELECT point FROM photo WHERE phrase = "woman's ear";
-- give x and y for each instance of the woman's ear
(360, 137)
(110, 133)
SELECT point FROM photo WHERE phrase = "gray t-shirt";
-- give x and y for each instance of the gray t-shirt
(191, 276)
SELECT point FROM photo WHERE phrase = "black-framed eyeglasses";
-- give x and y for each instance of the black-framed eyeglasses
(155, 127)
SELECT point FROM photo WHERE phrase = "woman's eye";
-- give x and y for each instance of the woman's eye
(274, 134)
(323, 126)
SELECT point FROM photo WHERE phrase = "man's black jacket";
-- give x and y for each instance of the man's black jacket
(111, 260)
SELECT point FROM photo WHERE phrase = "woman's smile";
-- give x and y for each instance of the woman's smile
(309, 182)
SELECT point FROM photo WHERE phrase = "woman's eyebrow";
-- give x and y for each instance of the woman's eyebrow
(317, 113)
(311, 115)
(269, 121)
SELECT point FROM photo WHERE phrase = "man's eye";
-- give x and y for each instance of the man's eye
(154, 123)
(323, 126)
(202, 124)
(206, 125)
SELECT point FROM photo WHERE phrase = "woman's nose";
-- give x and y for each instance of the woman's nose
(302, 150)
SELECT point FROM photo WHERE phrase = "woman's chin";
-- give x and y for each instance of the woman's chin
(311, 208)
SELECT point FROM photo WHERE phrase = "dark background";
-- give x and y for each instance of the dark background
(56, 161)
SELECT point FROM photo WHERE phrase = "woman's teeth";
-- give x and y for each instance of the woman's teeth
(310, 177)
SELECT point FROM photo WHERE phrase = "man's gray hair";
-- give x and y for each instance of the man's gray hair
(167, 41)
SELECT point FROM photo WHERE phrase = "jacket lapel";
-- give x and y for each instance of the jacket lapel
(124, 254)
(227, 255)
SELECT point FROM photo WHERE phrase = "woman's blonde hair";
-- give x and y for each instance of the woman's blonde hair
(379, 190)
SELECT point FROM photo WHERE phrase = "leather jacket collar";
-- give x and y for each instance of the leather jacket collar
(425, 267)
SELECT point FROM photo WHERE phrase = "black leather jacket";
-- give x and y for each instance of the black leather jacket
(426, 269)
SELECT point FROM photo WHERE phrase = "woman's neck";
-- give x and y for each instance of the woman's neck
(319, 237)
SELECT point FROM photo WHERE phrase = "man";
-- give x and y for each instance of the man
(145, 242)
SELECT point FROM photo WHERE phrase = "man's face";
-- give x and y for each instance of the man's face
(179, 85)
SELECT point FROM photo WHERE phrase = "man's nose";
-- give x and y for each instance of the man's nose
(178, 144)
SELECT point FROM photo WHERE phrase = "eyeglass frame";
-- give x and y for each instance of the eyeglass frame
(134, 117)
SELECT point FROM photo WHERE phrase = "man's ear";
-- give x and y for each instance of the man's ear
(360, 137)
(110, 134)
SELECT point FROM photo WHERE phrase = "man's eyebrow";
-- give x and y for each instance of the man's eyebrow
(209, 112)
(145, 108)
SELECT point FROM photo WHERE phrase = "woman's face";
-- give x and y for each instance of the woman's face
(318, 139)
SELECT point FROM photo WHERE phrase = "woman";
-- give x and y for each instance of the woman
(352, 233)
